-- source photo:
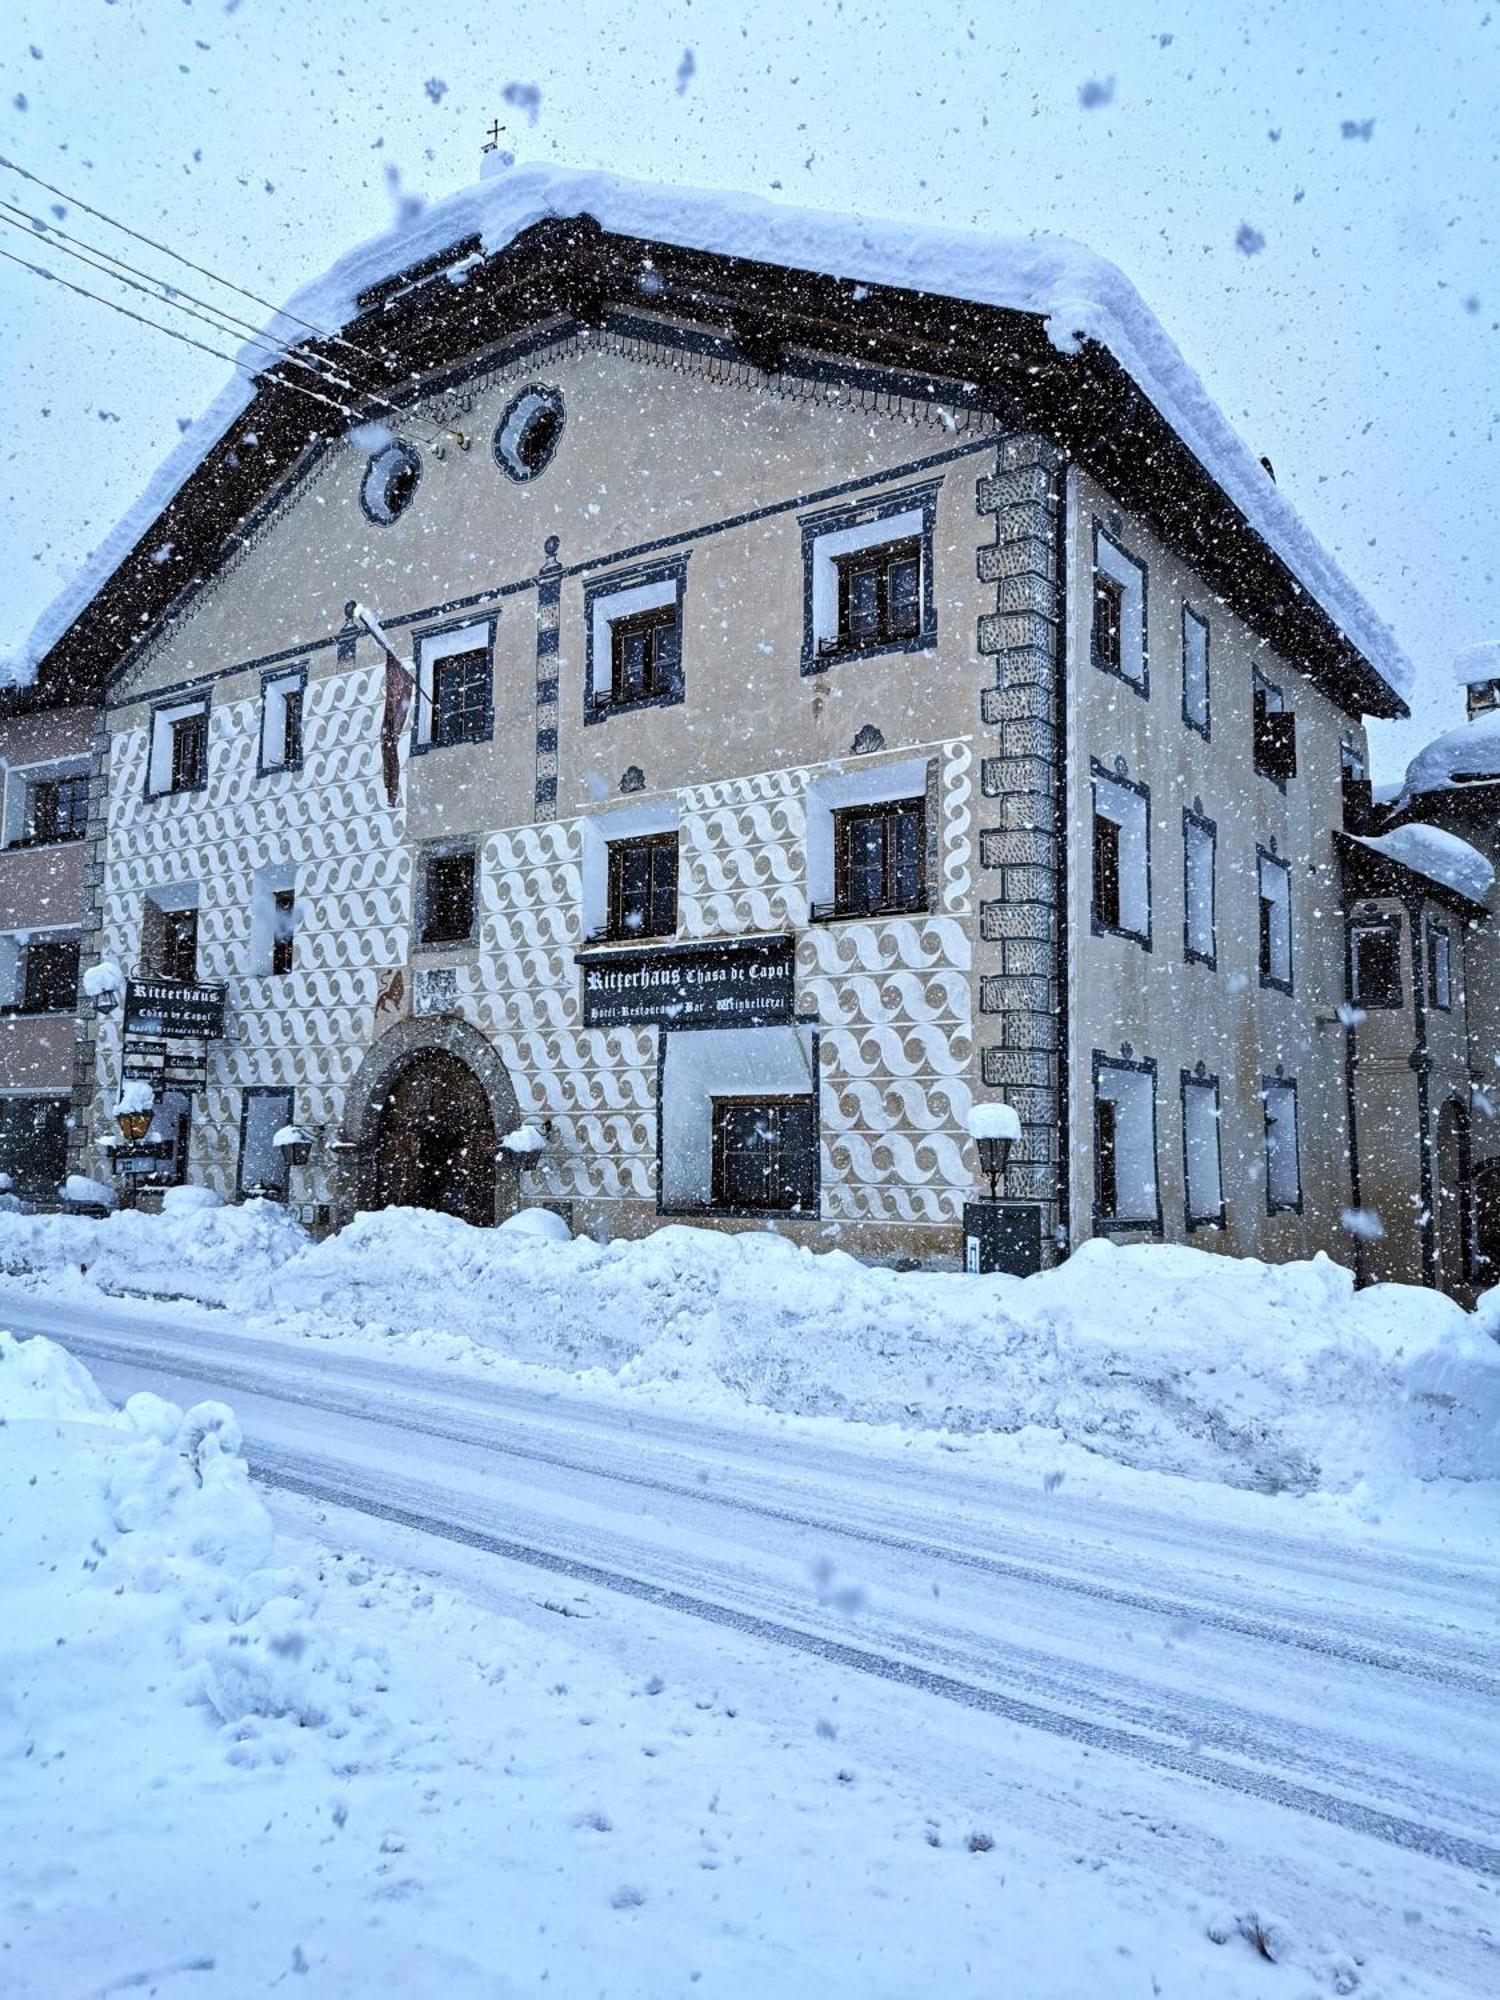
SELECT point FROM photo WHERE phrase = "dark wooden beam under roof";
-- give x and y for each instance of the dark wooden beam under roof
(419, 324)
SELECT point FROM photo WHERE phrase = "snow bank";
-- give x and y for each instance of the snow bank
(1439, 855)
(196, 1249)
(153, 1503)
(1077, 294)
(1280, 1377)
(1469, 755)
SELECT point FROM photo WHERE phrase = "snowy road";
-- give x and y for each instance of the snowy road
(1344, 1698)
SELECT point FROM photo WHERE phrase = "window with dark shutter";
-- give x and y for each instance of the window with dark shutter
(765, 1154)
(1375, 964)
(643, 886)
(880, 858)
(1275, 734)
(461, 697)
(179, 945)
(189, 752)
(1106, 872)
(880, 596)
(645, 655)
(448, 899)
(51, 985)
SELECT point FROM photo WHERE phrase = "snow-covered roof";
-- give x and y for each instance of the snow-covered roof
(1077, 294)
(1478, 663)
(1467, 755)
(1440, 856)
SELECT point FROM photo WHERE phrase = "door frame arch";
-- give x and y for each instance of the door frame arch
(364, 1101)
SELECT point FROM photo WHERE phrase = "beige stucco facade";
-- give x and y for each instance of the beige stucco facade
(998, 989)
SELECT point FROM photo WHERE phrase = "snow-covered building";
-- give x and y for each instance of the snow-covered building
(859, 675)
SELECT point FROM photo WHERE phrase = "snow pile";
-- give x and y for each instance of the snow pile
(197, 1248)
(105, 1508)
(1469, 755)
(1439, 855)
(1076, 293)
(105, 977)
(1478, 664)
(87, 1193)
(524, 1141)
(135, 1095)
(1281, 1377)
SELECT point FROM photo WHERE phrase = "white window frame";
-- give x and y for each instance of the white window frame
(275, 689)
(1128, 806)
(1130, 1086)
(600, 831)
(18, 780)
(1130, 573)
(434, 646)
(834, 791)
(159, 748)
(605, 613)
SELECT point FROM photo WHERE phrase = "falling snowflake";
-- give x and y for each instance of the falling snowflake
(1248, 240)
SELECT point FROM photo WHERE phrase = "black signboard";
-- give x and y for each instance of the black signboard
(164, 1008)
(749, 984)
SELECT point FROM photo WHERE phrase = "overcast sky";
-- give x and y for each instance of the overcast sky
(1306, 194)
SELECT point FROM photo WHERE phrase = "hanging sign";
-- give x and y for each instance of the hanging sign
(749, 984)
(165, 1008)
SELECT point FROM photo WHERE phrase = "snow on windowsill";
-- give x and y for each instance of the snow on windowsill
(1078, 294)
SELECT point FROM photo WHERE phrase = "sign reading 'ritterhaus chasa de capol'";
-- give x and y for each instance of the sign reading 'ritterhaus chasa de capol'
(692, 988)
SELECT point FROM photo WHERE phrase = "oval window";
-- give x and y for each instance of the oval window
(528, 433)
(390, 482)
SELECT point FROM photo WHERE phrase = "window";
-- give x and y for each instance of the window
(1283, 1159)
(1375, 962)
(765, 1154)
(633, 624)
(880, 597)
(461, 697)
(529, 432)
(283, 929)
(645, 655)
(454, 701)
(1275, 922)
(1275, 733)
(34, 1144)
(867, 578)
(281, 722)
(177, 945)
(1125, 1187)
(880, 858)
(189, 752)
(1358, 794)
(1199, 846)
(179, 749)
(390, 483)
(1121, 857)
(50, 978)
(1439, 968)
(643, 886)
(1118, 632)
(264, 1169)
(448, 898)
(1201, 1152)
(1195, 709)
(56, 809)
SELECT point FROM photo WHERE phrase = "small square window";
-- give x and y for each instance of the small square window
(867, 577)
(634, 634)
(880, 596)
(51, 976)
(448, 898)
(645, 653)
(765, 1154)
(56, 809)
(643, 887)
(880, 858)
(461, 697)
(1375, 963)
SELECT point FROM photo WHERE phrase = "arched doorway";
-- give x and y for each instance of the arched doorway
(1486, 1211)
(423, 1116)
(1454, 1242)
(435, 1140)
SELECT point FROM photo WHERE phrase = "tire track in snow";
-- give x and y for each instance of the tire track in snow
(1348, 1651)
(1394, 1829)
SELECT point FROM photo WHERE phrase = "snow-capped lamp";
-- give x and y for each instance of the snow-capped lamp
(295, 1142)
(994, 1128)
(523, 1145)
(104, 983)
(134, 1110)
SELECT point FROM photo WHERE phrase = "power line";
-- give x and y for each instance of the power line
(229, 284)
(172, 333)
(169, 294)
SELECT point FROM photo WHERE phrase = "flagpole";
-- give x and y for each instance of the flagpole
(378, 633)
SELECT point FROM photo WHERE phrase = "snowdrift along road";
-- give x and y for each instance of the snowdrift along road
(1282, 1378)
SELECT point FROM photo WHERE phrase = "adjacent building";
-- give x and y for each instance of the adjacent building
(857, 677)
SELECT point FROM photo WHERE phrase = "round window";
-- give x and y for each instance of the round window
(528, 433)
(390, 482)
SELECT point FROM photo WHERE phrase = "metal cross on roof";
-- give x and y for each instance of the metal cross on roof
(496, 128)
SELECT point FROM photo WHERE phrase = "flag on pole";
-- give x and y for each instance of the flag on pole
(400, 687)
